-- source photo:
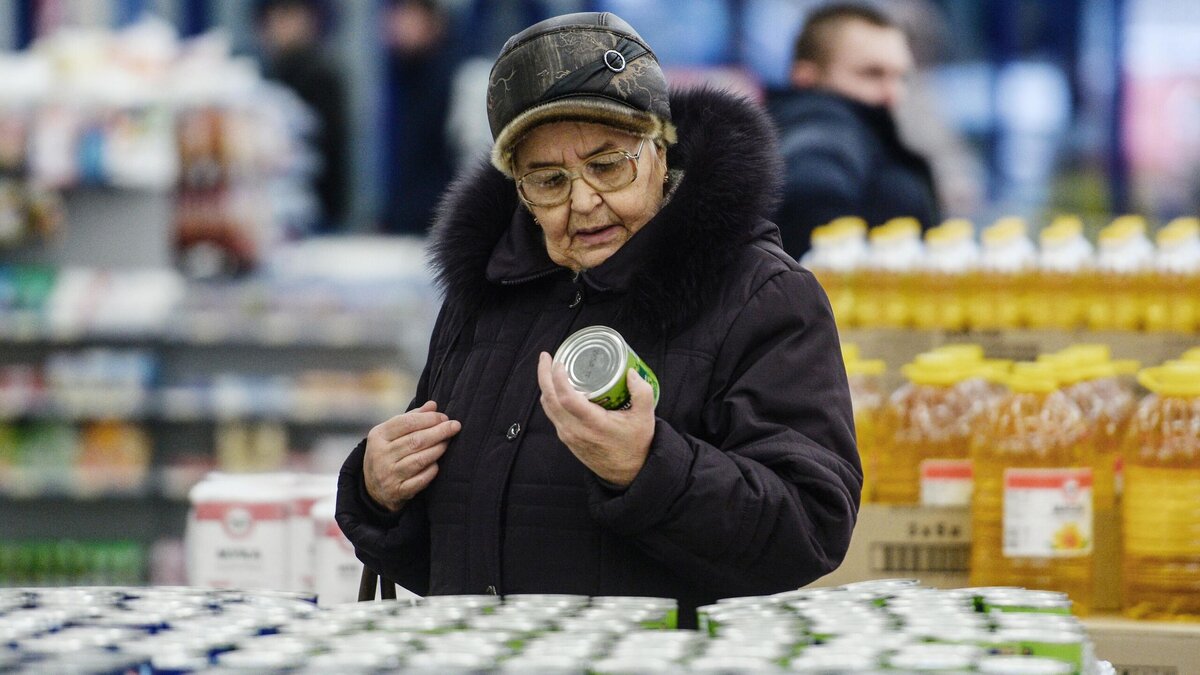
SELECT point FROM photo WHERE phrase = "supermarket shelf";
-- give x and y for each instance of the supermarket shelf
(899, 345)
(207, 413)
(281, 330)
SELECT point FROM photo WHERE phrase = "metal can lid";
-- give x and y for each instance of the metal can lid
(595, 358)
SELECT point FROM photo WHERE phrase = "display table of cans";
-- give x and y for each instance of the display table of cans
(880, 626)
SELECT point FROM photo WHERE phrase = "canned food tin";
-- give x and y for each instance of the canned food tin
(596, 359)
(1067, 646)
(1023, 665)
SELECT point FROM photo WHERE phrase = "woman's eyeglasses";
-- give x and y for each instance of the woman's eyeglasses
(606, 171)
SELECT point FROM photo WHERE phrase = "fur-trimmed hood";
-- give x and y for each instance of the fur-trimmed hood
(731, 173)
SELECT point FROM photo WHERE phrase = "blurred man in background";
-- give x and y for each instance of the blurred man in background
(838, 134)
(290, 34)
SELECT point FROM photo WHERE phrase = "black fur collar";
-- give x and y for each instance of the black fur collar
(732, 171)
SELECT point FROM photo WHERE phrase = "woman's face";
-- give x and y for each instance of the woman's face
(590, 226)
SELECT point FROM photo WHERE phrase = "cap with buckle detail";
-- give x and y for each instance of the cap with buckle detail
(587, 67)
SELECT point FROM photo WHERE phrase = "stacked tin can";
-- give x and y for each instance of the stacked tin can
(862, 628)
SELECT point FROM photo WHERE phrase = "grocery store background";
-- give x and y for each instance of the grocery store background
(171, 304)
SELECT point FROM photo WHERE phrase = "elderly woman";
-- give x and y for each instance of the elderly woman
(608, 202)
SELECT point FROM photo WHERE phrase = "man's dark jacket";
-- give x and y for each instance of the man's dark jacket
(844, 158)
(752, 482)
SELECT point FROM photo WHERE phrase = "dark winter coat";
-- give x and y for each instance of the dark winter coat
(844, 158)
(752, 482)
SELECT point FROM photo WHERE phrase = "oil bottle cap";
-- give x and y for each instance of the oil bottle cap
(848, 225)
(1033, 378)
(1061, 229)
(1178, 231)
(823, 234)
(950, 232)
(904, 226)
(1004, 230)
(932, 368)
(866, 367)
(1087, 352)
(1173, 378)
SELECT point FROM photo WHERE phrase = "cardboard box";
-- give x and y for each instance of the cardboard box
(933, 545)
(1146, 647)
(930, 544)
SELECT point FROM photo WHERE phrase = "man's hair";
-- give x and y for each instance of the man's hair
(815, 42)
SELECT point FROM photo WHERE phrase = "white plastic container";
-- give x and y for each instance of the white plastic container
(336, 571)
(237, 532)
(307, 490)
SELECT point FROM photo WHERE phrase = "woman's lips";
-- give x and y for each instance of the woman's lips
(602, 235)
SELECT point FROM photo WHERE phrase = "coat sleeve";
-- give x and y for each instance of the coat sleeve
(770, 506)
(827, 165)
(395, 545)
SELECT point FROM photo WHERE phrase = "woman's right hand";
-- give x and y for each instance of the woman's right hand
(402, 454)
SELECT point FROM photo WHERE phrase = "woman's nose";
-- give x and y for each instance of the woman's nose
(584, 197)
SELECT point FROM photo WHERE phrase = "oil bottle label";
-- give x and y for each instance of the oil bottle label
(1047, 513)
(946, 482)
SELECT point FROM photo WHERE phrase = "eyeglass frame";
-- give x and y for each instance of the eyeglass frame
(635, 158)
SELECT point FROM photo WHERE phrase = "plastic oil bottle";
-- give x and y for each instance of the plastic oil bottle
(1006, 265)
(951, 255)
(1161, 505)
(1173, 303)
(1123, 265)
(866, 397)
(1093, 381)
(893, 257)
(837, 251)
(924, 434)
(1065, 258)
(1032, 510)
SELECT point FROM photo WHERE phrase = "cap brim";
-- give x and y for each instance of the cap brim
(595, 109)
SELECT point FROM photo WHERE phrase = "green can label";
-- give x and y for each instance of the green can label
(597, 359)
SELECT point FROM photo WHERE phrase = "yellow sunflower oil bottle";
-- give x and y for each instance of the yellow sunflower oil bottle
(1173, 302)
(1057, 298)
(1093, 381)
(951, 256)
(893, 257)
(1031, 515)
(1006, 265)
(837, 251)
(923, 435)
(866, 397)
(1123, 265)
(1161, 506)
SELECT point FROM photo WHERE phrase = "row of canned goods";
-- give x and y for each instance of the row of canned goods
(891, 626)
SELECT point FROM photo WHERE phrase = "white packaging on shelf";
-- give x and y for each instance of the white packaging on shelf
(307, 490)
(337, 571)
(237, 532)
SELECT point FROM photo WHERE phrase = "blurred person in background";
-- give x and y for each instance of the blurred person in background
(290, 34)
(838, 135)
(422, 70)
(610, 202)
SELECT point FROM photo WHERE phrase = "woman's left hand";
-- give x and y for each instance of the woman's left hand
(612, 443)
